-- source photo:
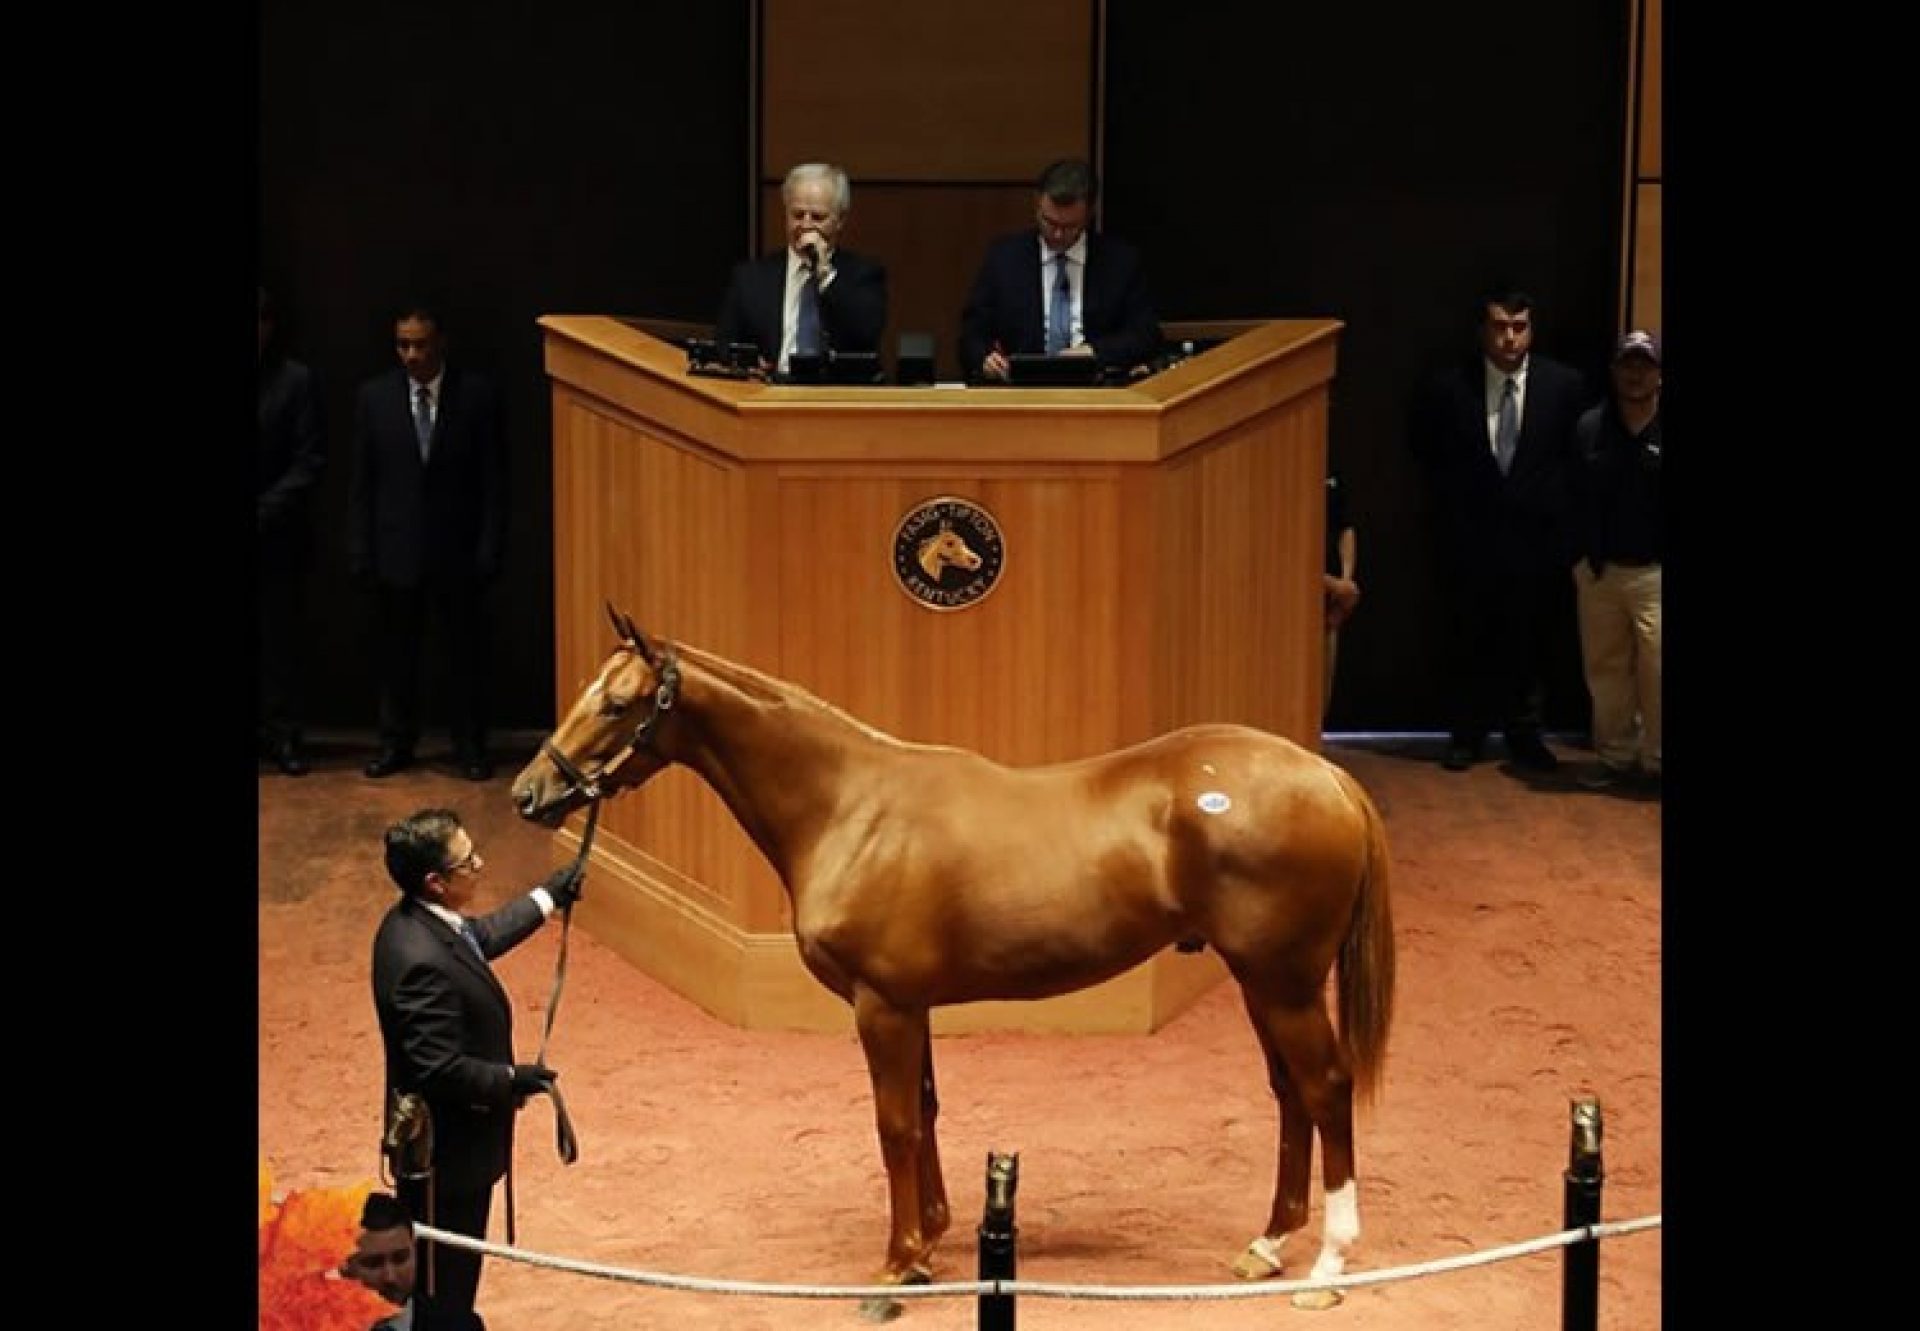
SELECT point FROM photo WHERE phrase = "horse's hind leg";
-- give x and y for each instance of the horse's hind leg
(934, 1215)
(1262, 1257)
(1316, 1071)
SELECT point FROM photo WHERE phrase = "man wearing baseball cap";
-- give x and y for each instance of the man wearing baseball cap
(1621, 532)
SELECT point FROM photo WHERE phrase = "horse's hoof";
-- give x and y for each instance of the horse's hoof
(885, 1309)
(1318, 1300)
(1259, 1261)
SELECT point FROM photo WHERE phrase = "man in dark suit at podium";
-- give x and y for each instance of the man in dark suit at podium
(1494, 434)
(812, 297)
(1065, 291)
(426, 530)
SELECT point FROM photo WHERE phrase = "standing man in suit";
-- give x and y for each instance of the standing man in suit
(1066, 290)
(292, 454)
(1493, 434)
(427, 519)
(811, 297)
(447, 1026)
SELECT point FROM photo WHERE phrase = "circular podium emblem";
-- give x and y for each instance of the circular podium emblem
(948, 553)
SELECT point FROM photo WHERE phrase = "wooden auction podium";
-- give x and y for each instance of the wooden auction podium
(1150, 557)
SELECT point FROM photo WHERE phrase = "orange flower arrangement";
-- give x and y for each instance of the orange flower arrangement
(303, 1240)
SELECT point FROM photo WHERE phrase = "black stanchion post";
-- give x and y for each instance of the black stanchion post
(999, 1237)
(1580, 1282)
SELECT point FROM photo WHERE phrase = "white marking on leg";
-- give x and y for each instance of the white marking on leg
(1341, 1229)
(1261, 1258)
(1268, 1250)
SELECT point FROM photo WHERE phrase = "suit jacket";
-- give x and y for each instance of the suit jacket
(1004, 305)
(1523, 515)
(448, 1029)
(853, 308)
(442, 521)
(292, 454)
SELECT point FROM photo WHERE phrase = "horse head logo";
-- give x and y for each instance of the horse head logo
(945, 548)
(948, 553)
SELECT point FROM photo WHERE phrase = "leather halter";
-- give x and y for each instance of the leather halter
(665, 694)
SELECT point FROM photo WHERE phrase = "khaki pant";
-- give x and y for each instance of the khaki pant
(1620, 649)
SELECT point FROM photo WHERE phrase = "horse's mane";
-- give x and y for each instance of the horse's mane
(765, 688)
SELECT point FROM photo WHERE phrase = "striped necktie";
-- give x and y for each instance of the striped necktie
(1060, 308)
(1506, 431)
(806, 328)
(472, 939)
(423, 419)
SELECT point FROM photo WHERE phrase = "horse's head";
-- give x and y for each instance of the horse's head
(943, 548)
(606, 742)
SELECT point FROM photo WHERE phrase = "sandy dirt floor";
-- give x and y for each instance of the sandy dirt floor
(1529, 926)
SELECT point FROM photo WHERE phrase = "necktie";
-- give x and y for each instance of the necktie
(806, 328)
(1059, 309)
(472, 940)
(1506, 431)
(423, 419)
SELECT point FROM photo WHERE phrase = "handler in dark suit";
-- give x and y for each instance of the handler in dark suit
(292, 454)
(812, 297)
(1494, 434)
(448, 1030)
(427, 518)
(1025, 299)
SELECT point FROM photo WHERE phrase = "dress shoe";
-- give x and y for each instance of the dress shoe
(1603, 776)
(1527, 751)
(1461, 754)
(288, 758)
(389, 762)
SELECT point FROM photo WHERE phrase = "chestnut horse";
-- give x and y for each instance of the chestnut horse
(921, 875)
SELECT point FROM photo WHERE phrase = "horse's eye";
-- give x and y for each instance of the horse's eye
(611, 706)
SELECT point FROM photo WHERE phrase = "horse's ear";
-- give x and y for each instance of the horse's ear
(614, 616)
(641, 645)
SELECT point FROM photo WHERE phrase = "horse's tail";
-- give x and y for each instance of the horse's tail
(1365, 992)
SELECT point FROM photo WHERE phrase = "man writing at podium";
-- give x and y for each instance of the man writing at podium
(812, 297)
(1066, 291)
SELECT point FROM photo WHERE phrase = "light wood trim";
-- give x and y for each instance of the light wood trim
(1151, 421)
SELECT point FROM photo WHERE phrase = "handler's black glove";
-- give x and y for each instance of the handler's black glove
(532, 1079)
(563, 885)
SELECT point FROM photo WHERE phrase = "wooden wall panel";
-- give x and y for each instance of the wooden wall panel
(1646, 254)
(1650, 84)
(987, 91)
(1230, 515)
(1641, 264)
(679, 573)
(1029, 675)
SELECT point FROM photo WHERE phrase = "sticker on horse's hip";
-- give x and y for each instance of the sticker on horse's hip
(1214, 802)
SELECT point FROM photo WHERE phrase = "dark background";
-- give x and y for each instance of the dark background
(1376, 164)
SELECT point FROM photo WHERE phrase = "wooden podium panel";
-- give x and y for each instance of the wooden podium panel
(1162, 556)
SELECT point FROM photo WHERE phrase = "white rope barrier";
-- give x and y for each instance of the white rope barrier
(1048, 1289)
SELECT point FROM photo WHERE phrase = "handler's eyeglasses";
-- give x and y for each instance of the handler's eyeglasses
(472, 861)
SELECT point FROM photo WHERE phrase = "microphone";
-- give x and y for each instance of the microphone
(811, 253)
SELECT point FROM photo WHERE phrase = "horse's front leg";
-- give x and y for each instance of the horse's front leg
(934, 1215)
(895, 1041)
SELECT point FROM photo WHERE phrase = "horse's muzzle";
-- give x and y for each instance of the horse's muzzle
(539, 798)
